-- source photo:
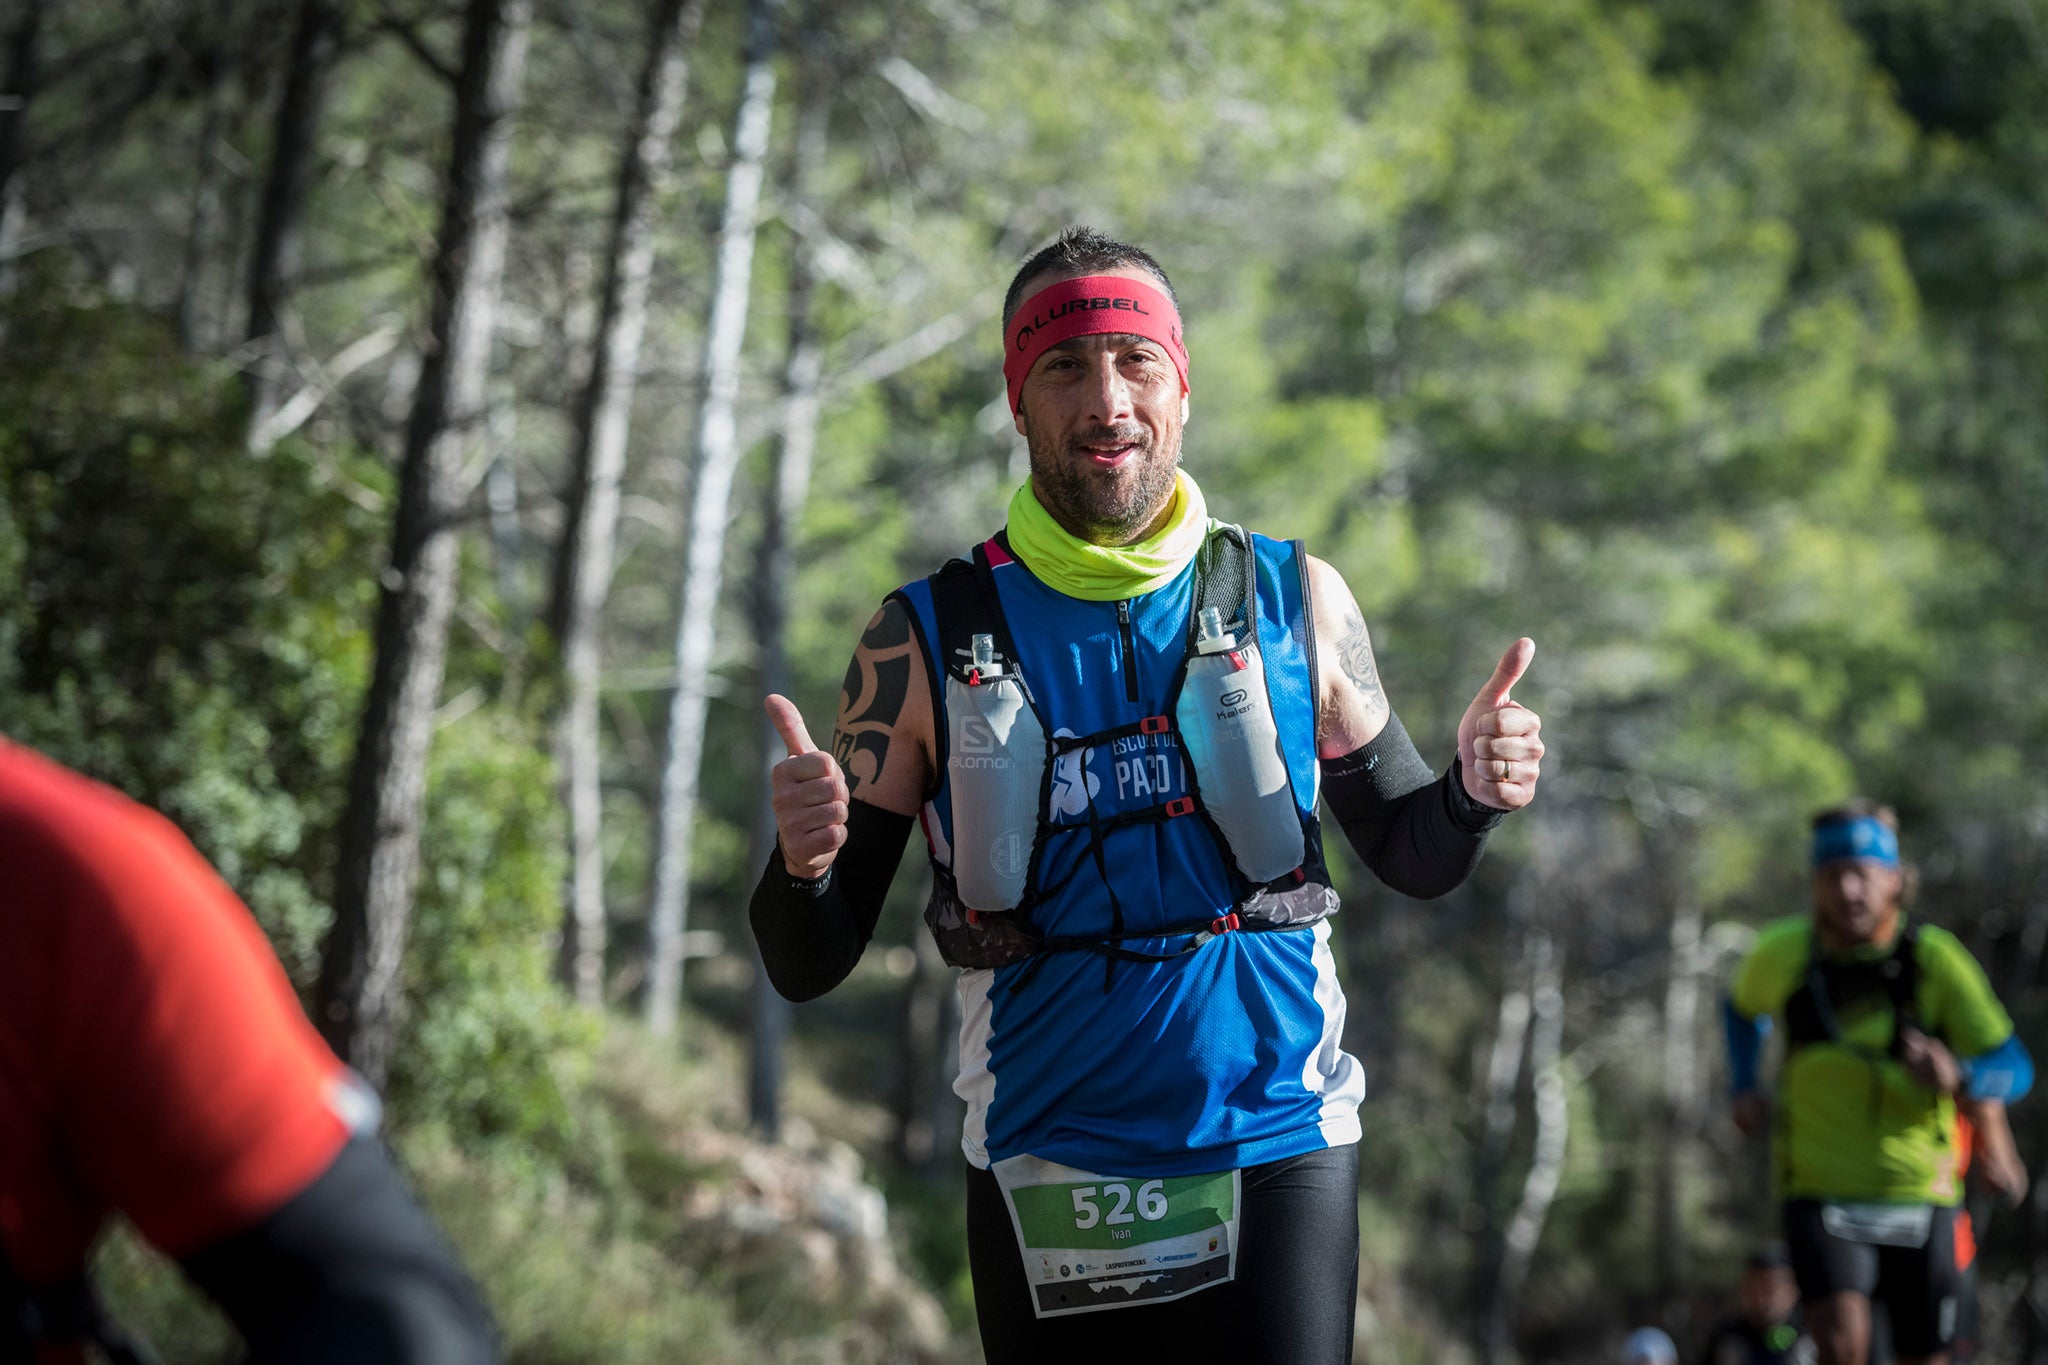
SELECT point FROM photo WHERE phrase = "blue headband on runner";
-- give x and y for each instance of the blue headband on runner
(1861, 837)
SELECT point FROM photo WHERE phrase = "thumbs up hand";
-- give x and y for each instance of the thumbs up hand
(808, 791)
(1499, 748)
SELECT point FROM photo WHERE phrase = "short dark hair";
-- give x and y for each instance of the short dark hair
(1769, 1256)
(1082, 251)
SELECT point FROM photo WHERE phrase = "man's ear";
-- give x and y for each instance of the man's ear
(1183, 408)
(1017, 421)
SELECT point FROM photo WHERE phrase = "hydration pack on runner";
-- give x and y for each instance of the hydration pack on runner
(1001, 756)
(995, 763)
(1812, 1013)
(1833, 986)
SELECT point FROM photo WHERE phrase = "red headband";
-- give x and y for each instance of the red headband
(1084, 307)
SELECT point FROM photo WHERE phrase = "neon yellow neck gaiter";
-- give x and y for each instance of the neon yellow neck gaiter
(1107, 573)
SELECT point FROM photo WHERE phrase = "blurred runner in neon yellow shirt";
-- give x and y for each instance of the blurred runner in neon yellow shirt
(1889, 1023)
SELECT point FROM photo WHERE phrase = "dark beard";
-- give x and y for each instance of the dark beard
(1091, 507)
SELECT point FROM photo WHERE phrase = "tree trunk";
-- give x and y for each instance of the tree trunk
(922, 1046)
(278, 232)
(1681, 1099)
(768, 1026)
(357, 997)
(928, 1061)
(508, 543)
(789, 482)
(202, 237)
(917, 1025)
(1546, 1161)
(716, 459)
(1503, 1079)
(583, 559)
(17, 94)
(1504, 1071)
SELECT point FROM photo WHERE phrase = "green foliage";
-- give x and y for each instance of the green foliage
(645, 1307)
(494, 1052)
(145, 1293)
(185, 623)
(189, 626)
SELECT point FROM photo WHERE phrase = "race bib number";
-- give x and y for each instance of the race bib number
(1885, 1225)
(1091, 1242)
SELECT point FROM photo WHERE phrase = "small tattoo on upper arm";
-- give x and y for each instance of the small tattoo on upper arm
(872, 696)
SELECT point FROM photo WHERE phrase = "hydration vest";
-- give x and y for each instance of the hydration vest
(1812, 1013)
(966, 604)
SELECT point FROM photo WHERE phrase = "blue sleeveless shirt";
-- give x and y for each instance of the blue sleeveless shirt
(1223, 1057)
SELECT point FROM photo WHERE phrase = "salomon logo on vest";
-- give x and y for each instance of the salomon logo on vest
(978, 746)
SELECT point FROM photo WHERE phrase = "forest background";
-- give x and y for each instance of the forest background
(426, 431)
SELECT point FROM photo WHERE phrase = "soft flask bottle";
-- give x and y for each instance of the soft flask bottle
(1226, 721)
(995, 763)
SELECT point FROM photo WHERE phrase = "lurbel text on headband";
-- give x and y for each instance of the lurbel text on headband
(1085, 306)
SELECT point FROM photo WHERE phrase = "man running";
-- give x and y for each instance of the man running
(154, 1062)
(1889, 1024)
(1113, 722)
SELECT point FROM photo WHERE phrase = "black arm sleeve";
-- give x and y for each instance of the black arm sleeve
(1422, 837)
(812, 931)
(348, 1270)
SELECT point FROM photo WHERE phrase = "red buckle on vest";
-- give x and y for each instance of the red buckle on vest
(1184, 805)
(974, 677)
(1152, 725)
(974, 918)
(1223, 924)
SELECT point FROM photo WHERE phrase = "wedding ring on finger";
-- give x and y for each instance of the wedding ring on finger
(1507, 769)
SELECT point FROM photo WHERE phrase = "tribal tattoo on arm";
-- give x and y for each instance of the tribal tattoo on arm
(872, 696)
